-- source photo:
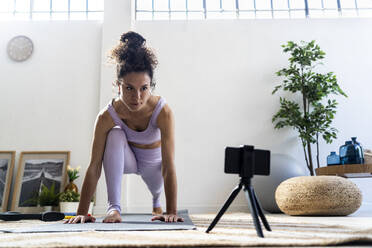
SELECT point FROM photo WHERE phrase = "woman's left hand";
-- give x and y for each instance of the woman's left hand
(168, 218)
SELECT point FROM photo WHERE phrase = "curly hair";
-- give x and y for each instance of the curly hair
(132, 55)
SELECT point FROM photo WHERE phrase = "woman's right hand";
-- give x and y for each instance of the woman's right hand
(80, 219)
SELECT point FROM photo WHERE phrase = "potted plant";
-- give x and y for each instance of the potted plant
(311, 116)
(69, 201)
(48, 197)
(73, 174)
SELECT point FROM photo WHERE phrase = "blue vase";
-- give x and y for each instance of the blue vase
(333, 159)
(345, 152)
(359, 154)
(351, 152)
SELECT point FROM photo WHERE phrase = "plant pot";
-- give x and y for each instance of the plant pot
(71, 207)
(90, 211)
(68, 207)
(47, 208)
(71, 186)
(318, 195)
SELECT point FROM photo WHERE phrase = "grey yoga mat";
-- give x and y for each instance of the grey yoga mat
(130, 222)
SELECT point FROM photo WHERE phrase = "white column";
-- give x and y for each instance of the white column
(117, 20)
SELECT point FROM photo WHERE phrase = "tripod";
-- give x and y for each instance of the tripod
(253, 203)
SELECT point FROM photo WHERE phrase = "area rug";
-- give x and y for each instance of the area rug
(234, 229)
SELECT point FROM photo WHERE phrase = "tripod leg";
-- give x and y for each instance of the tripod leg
(252, 203)
(232, 196)
(260, 212)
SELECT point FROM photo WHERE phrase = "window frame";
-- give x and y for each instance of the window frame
(204, 11)
(50, 10)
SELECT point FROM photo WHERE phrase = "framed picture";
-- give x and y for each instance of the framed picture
(34, 170)
(6, 174)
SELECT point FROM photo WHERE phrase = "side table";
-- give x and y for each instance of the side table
(346, 170)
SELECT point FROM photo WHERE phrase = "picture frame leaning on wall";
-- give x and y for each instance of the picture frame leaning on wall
(34, 169)
(7, 159)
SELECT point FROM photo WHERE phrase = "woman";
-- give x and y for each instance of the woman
(133, 134)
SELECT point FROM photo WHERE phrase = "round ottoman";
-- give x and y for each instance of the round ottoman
(318, 195)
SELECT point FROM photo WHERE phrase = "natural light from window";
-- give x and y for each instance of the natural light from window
(250, 9)
(51, 9)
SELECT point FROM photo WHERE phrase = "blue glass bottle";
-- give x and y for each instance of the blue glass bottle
(359, 154)
(345, 153)
(333, 159)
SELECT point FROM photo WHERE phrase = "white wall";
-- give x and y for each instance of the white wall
(218, 77)
(50, 101)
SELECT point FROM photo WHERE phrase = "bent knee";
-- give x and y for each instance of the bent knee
(116, 133)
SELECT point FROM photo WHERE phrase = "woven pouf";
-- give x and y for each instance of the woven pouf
(318, 195)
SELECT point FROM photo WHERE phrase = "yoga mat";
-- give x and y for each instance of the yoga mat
(130, 222)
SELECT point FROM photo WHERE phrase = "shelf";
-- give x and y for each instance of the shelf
(346, 170)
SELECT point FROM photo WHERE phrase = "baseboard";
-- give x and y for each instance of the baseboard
(193, 209)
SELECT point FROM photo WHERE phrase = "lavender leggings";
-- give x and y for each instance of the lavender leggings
(120, 157)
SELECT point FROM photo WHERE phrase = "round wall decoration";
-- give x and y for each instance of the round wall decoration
(20, 48)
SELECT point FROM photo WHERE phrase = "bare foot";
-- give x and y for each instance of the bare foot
(112, 217)
(157, 211)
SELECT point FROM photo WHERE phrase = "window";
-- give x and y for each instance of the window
(250, 9)
(51, 9)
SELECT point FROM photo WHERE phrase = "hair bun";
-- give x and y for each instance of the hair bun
(132, 39)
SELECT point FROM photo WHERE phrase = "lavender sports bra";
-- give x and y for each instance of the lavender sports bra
(148, 136)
